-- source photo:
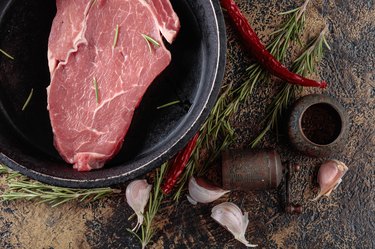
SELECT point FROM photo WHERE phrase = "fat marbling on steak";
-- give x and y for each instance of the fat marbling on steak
(101, 65)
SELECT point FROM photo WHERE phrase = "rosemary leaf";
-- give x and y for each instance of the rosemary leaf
(134, 233)
(168, 104)
(6, 54)
(92, 4)
(116, 37)
(28, 99)
(326, 43)
(288, 12)
(150, 41)
(96, 90)
(4, 170)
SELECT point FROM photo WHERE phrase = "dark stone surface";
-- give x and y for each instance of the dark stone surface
(345, 220)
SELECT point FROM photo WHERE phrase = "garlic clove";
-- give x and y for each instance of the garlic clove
(137, 195)
(330, 176)
(230, 216)
(192, 201)
(203, 192)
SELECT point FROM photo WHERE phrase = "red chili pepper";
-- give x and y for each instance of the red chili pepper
(178, 165)
(259, 51)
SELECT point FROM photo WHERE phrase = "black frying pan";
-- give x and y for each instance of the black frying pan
(193, 77)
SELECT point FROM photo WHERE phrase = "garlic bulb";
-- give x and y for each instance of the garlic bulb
(330, 176)
(137, 195)
(230, 216)
(203, 192)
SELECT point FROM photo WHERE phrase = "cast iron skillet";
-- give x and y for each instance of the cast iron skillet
(193, 77)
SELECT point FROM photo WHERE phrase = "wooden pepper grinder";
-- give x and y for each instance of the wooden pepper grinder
(250, 170)
(291, 208)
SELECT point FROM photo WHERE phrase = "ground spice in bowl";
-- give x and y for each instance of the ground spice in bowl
(318, 125)
(321, 124)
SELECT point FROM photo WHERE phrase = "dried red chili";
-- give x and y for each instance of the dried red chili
(178, 165)
(259, 51)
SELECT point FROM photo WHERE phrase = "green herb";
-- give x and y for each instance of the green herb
(217, 132)
(28, 99)
(10, 174)
(19, 187)
(116, 37)
(156, 197)
(150, 41)
(96, 90)
(168, 104)
(305, 64)
(92, 2)
(6, 54)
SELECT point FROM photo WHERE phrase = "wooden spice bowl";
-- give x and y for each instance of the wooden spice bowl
(318, 125)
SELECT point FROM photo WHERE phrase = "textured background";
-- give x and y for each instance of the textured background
(346, 220)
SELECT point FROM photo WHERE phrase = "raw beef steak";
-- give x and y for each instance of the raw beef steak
(101, 64)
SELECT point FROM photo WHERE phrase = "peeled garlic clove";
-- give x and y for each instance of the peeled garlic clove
(230, 216)
(330, 176)
(137, 195)
(203, 192)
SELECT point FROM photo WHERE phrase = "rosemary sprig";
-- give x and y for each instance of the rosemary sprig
(6, 54)
(217, 132)
(116, 37)
(19, 187)
(150, 41)
(96, 89)
(10, 174)
(156, 197)
(305, 64)
(229, 102)
(28, 99)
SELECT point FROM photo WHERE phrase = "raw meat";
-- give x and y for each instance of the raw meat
(67, 31)
(97, 81)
